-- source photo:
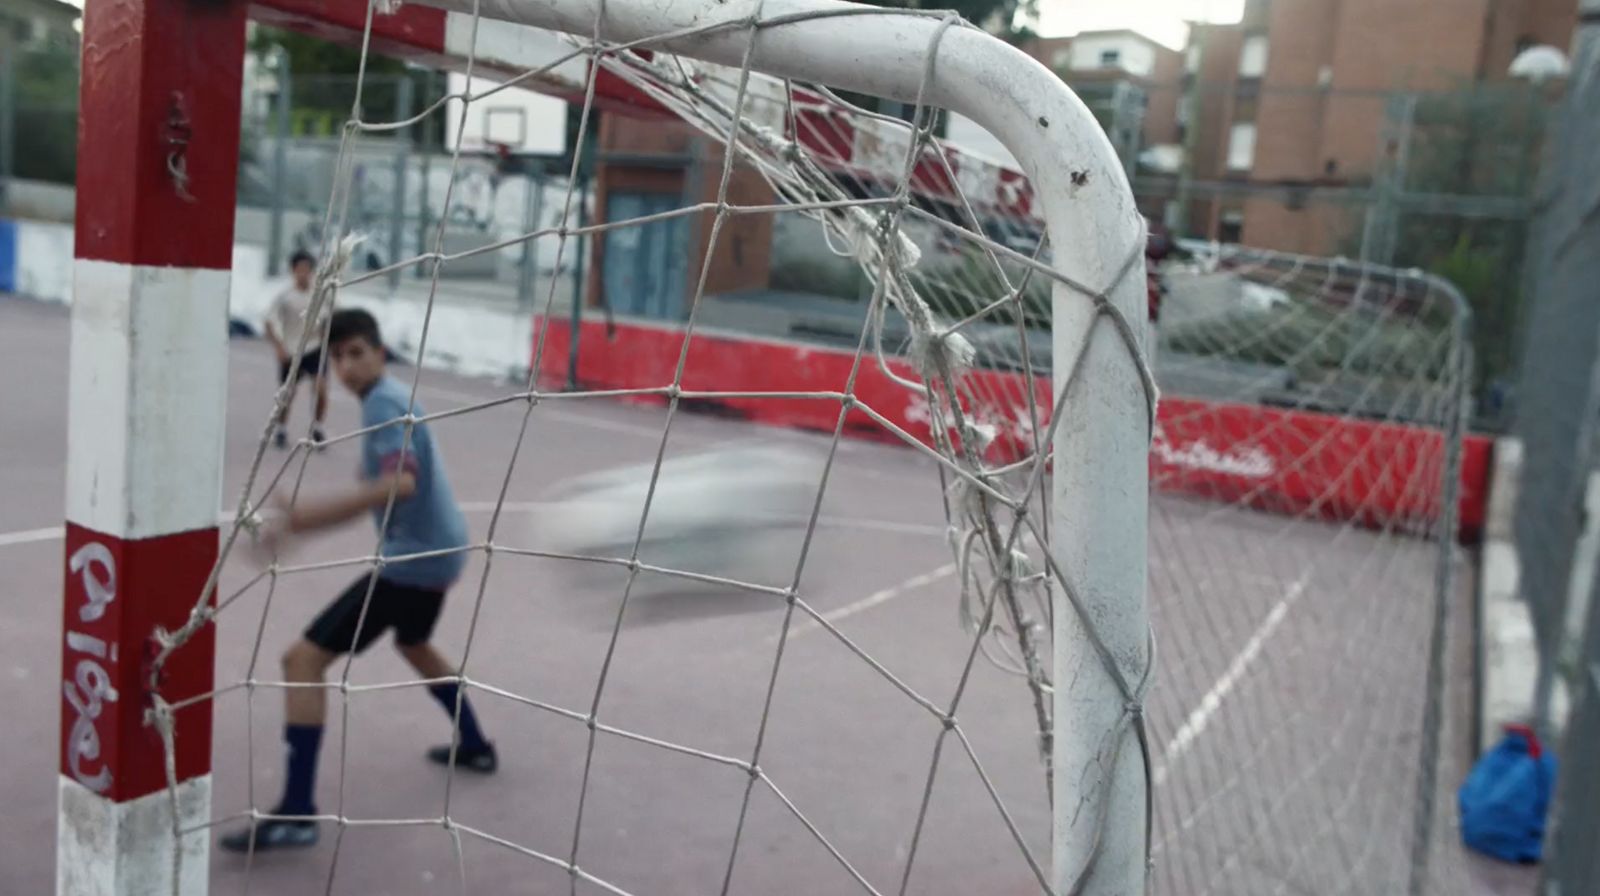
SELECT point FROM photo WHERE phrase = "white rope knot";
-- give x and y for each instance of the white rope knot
(333, 267)
(954, 536)
(1021, 564)
(160, 716)
(871, 240)
(252, 522)
(937, 354)
(980, 435)
(966, 502)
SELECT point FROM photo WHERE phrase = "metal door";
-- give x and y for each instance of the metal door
(646, 265)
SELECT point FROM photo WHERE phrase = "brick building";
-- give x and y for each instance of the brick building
(1292, 99)
(1285, 125)
(652, 164)
(1102, 58)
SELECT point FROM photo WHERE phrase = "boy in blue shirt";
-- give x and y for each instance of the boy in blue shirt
(406, 596)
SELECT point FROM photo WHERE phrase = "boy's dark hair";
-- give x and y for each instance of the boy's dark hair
(353, 323)
(301, 255)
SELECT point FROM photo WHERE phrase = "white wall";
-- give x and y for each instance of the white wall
(471, 338)
(1135, 55)
(970, 136)
(39, 200)
(532, 122)
(44, 260)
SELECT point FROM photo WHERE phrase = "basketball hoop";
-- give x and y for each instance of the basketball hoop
(505, 162)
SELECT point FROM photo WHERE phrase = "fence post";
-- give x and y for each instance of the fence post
(281, 104)
(1573, 235)
(1190, 100)
(577, 279)
(1380, 233)
(402, 161)
(1572, 863)
(1455, 430)
(1558, 402)
(424, 210)
(8, 120)
(532, 207)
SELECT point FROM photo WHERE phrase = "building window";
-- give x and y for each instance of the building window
(1253, 56)
(1191, 58)
(1061, 59)
(1110, 58)
(1231, 228)
(1241, 145)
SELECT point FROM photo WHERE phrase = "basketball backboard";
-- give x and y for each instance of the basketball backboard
(524, 121)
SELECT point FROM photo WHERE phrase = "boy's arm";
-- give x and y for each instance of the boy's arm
(309, 516)
(272, 329)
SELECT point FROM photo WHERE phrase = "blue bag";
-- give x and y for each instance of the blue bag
(1505, 798)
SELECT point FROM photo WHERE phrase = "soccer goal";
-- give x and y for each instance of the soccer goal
(1310, 485)
(788, 747)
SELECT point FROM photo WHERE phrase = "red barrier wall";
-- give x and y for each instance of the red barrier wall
(1280, 460)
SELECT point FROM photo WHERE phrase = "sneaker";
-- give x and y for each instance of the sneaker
(483, 761)
(318, 436)
(280, 439)
(272, 834)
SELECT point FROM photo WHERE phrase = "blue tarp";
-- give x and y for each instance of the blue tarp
(1506, 797)
(8, 255)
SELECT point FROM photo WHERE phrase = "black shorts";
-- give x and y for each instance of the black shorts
(310, 366)
(409, 610)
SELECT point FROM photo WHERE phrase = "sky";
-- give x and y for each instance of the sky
(1162, 20)
(1159, 19)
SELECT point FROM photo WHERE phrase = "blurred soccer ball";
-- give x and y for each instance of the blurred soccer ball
(735, 513)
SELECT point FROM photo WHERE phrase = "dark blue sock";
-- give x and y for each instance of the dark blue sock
(299, 787)
(472, 740)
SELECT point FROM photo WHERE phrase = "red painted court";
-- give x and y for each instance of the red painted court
(1284, 734)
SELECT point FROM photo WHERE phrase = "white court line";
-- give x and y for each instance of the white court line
(55, 533)
(27, 536)
(872, 600)
(571, 415)
(1200, 717)
(825, 521)
(557, 413)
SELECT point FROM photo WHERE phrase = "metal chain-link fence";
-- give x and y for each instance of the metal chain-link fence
(1557, 410)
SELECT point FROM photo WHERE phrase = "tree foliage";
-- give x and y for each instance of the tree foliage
(1478, 141)
(323, 75)
(45, 130)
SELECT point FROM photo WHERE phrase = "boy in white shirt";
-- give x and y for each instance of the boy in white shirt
(286, 323)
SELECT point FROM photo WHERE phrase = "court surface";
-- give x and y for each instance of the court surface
(1285, 715)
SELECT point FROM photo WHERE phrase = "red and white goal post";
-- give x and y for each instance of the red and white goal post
(157, 162)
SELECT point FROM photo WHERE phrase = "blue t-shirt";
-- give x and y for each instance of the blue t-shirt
(429, 520)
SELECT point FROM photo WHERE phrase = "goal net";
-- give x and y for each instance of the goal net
(1309, 482)
(722, 658)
